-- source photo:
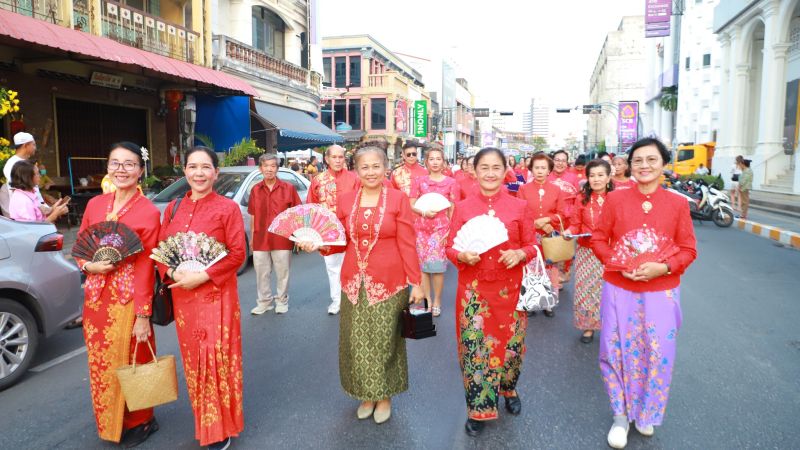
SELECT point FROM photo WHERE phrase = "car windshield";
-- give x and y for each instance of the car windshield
(226, 185)
(685, 154)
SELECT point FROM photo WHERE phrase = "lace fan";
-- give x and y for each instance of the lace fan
(189, 252)
(107, 241)
(432, 201)
(311, 222)
(480, 234)
(638, 247)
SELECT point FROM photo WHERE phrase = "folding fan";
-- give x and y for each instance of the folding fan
(432, 201)
(107, 241)
(189, 252)
(480, 234)
(638, 247)
(309, 223)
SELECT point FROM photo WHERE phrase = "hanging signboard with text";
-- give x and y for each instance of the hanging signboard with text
(421, 118)
(657, 17)
(628, 126)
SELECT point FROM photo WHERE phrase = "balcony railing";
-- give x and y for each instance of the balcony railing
(229, 49)
(138, 29)
(47, 10)
(389, 81)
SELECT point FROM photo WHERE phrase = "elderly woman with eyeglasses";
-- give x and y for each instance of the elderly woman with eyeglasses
(645, 241)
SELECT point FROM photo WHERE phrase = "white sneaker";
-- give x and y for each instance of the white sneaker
(261, 308)
(333, 309)
(647, 431)
(281, 308)
(618, 435)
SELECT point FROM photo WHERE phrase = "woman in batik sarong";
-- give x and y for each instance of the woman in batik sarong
(490, 331)
(379, 263)
(206, 303)
(116, 312)
(433, 227)
(646, 241)
(588, 269)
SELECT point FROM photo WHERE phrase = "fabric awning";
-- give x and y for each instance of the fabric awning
(41, 33)
(296, 129)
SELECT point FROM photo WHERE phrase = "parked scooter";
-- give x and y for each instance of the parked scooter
(705, 202)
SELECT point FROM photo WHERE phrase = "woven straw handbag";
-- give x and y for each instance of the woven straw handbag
(151, 384)
(556, 248)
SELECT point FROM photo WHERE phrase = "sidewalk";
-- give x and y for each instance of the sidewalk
(773, 216)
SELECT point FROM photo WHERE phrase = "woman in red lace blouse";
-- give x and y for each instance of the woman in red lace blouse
(490, 331)
(380, 262)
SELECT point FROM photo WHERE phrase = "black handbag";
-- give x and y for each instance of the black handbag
(163, 312)
(735, 177)
(418, 324)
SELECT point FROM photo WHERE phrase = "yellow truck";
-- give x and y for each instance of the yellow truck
(689, 157)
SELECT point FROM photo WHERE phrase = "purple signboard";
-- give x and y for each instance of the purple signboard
(628, 123)
(657, 18)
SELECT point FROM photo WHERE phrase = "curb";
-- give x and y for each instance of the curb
(788, 238)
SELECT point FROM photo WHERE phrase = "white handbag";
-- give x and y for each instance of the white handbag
(537, 292)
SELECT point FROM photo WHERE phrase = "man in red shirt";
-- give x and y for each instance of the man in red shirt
(326, 188)
(271, 252)
(403, 176)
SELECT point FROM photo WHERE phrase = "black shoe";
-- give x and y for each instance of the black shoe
(221, 445)
(549, 313)
(587, 339)
(138, 434)
(473, 427)
(513, 405)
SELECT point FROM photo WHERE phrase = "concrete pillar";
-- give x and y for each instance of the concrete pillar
(240, 26)
(96, 17)
(773, 94)
(724, 92)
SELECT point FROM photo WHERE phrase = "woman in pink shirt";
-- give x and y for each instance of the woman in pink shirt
(24, 203)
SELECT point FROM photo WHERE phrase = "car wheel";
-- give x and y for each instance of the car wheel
(19, 338)
(243, 267)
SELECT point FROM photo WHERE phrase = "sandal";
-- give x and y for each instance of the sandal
(437, 311)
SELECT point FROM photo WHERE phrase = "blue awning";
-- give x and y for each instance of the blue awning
(296, 129)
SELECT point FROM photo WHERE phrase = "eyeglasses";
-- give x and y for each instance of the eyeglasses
(409, 155)
(127, 165)
(651, 161)
(560, 160)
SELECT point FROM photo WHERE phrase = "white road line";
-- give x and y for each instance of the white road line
(59, 360)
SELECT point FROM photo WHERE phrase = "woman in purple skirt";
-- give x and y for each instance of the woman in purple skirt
(645, 241)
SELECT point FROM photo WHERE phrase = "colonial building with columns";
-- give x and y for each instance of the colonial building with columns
(760, 45)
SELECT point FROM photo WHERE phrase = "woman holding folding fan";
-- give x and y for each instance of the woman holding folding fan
(645, 241)
(491, 333)
(380, 262)
(206, 303)
(116, 315)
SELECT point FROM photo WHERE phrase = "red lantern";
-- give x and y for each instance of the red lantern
(173, 99)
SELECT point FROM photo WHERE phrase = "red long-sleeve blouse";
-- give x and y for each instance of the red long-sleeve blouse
(393, 263)
(584, 218)
(624, 218)
(517, 218)
(552, 203)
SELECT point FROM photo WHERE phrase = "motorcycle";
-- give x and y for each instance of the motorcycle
(705, 202)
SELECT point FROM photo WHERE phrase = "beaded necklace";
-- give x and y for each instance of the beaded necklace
(600, 200)
(115, 217)
(372, 226)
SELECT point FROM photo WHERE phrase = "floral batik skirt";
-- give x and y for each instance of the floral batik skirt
(588, 288)
(430, 248)
(491, 343)
(372, 351)
(637, 350)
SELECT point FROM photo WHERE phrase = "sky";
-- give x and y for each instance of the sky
(509, 51)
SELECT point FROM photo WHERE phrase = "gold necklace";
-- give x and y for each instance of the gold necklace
(373, 238)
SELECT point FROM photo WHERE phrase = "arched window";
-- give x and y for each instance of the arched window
(268, 31)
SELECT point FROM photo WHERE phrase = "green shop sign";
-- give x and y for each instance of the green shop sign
(420, 118)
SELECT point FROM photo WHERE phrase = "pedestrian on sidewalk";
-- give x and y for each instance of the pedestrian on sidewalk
(326, 189)
(432, 227)
(640, 309)
(736, 173)
(379, 263)
(25, 148)
(271, 252)
(588, 269)
(24, 204)
(118, 300)
(548, 202)
(206, 304)
(489, 329)
(745, 186)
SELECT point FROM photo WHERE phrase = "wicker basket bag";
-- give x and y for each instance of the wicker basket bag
(151, 384)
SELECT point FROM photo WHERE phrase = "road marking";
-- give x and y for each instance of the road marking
(59, 360)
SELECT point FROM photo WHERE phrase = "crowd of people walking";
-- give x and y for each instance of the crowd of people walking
(395, 255)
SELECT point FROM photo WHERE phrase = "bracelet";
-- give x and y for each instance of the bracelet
(669, 271)
(142, 316)
(83, 267)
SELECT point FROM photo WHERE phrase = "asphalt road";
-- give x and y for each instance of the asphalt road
(736, 382)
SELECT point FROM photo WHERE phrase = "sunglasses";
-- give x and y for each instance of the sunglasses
(408, 155)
